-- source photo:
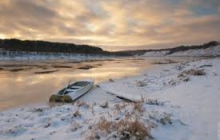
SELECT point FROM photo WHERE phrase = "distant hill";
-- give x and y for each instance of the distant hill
(44, 46)
(193, 47)
(208, 49)
(16, 45)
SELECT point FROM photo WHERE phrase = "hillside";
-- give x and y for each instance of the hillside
(208, 49)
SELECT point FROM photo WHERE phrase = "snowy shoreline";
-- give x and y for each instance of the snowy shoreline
(175, 101)
(41, 56)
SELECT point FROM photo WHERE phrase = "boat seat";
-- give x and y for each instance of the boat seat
(70, 90)
(75, 87)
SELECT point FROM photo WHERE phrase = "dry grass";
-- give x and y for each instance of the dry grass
(77, 114)
(13, 131)
(141, 83)
(105, 124)
(166, 119)
(125, 129)
(166, 61)
(83, 104)
(75, 126)
(119, 107)
(142, 99)
(196, 72)
(138, 107)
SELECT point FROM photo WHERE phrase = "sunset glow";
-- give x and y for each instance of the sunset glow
(112, 24)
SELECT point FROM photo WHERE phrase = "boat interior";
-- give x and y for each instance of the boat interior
(73, 87)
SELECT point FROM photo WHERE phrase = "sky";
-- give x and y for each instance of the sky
(112, 24)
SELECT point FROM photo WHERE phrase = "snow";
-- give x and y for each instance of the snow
(63, 122)
(30, 56)
(155, 53)
(212, 51)
(197, 100)
(175, 104)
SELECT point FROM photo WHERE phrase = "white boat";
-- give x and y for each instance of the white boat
(73, 91)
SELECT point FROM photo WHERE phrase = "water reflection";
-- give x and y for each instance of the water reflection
(25, 87)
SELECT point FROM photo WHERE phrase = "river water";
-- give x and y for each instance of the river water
(30, 82)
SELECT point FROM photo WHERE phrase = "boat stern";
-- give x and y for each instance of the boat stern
(60, 98)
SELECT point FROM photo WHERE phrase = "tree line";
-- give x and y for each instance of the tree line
(44, 46)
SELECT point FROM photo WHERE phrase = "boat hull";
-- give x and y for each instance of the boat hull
(71, 96)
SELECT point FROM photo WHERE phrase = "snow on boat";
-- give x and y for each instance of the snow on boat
(73, 91)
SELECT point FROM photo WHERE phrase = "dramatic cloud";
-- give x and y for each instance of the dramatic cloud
(112, 24)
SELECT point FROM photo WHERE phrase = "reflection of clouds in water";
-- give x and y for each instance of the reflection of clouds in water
(37, 79)
(34, 82)
(114, 69)
(19, 79)
(35, 88)
(29, 80)
(99, 75)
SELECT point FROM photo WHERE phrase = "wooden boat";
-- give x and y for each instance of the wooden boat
(73, 91)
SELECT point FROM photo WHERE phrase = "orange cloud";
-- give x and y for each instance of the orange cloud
(112, 24)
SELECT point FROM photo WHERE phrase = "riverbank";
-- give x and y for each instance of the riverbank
(174, 101)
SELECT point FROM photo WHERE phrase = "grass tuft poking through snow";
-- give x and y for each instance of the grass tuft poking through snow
(138, 107)
(77, 114)
(123, 129)
(195, 72)
(83, 104)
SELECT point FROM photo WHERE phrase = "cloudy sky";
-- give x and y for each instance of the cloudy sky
(112, 24)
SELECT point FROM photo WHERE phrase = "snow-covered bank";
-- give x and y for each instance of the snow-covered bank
(192, 89)
(33, 56)
(177, 101)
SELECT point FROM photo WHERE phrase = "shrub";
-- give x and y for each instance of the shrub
(124, 129)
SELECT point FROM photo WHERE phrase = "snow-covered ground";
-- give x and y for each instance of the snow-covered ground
(212, 51)
(175, 101)
(155, 53)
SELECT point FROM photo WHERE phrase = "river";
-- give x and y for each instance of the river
(30, 82)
